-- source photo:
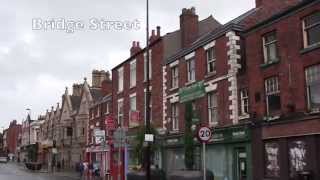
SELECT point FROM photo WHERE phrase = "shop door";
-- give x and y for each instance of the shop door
(241, 164)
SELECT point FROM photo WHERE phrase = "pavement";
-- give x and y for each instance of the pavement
(13, 171)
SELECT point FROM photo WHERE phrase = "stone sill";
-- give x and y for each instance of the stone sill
(173, 89)
(211, 74)
(245, 116)
(270, 63)
(310, 48)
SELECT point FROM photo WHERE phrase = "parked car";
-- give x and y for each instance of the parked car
(3, 159)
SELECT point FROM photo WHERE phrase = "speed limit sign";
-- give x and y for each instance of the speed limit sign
(204, 134)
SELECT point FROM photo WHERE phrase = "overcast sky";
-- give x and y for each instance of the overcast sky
(37, 65)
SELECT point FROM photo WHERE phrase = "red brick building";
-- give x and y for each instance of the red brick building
(129, 77)
(12, 138)
(283, 78)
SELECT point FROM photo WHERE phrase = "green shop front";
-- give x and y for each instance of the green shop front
(228, 154)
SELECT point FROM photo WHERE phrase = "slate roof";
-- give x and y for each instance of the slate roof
(75, 101)
(243, 22)
(172, 41)
(96, 94)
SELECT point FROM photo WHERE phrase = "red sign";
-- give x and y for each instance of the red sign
(134, 119)
(110, 123)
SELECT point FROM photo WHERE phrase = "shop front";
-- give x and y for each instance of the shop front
(229, 153)
(291, 150)
(99, 156)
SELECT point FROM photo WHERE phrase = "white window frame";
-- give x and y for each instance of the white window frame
(174, 77)
(120, 79)
(265, 47)
(244, 102)
(120, 114)
(305, 29)
(312, 74)
(107, 108)
(145, 65)
(175, 116)
(272, 87)
(133, 73)
(133, 96)
(209, 60)
(191, 73)
(213, 108)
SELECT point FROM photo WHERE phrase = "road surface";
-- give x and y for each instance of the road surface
(11, 171)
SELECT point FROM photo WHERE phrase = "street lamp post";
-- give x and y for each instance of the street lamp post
(147, 158)
(29, 123)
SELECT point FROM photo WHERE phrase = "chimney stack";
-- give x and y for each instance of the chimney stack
(135, 48)
(189, 26)
(98, 77)
(158, 31)
(76, 89)
(106, 85)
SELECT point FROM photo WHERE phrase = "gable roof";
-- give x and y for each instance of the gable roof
(75, 102)
(243, 22)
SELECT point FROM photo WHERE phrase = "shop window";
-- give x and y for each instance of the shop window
(313, 87)
(273, 100)
(311, 29)
(270, 48)
(211, 60)
(272, 161)
(297, 157)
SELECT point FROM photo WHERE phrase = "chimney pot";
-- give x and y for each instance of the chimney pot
(158, 31)
(138, 44)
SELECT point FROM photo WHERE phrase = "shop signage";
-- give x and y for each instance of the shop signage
(231, 135)
(195, 91)
(110, 123)
(99, 136)
(134, 119)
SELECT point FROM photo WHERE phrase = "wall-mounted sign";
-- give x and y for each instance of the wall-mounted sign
(110, 123)
(99, 136)
(134, 119)
(195, 91)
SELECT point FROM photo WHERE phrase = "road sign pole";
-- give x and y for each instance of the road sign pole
(119, 156)
(204, 161)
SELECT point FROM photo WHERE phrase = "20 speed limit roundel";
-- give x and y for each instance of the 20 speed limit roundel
(204, 134)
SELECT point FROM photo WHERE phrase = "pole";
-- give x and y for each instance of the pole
(204, 161)
(119, 156)
(148, 174)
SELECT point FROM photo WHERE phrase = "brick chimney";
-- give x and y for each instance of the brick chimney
(76, 89)
(155, 34)
(135, 47)
(189, 27)
(98, 77)
(276, 3)
(106, 85)
(258, 3)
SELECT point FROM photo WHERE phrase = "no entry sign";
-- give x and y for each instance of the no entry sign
(204, 134)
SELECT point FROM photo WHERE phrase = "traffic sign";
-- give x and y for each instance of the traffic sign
(204, 134)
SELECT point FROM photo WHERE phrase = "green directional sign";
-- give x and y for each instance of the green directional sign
(195, 91)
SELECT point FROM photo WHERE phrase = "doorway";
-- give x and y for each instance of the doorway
(240, 164)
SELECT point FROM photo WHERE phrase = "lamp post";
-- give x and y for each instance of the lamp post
(147, 158)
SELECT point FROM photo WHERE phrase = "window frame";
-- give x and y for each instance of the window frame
(191, 73)
(120, 79)
(265, 44)
(276, 91)
(175, 116)
(305, 30)
(213, 60)
(213, 107)
(133, 73)
(244, 102)
(120, 114)
(308, 84)
(174, 77)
